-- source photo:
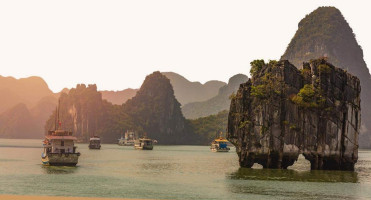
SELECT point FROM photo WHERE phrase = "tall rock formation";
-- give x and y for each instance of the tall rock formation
(155, 111)
(82, 111)
(282, 112)
(325, 33)
(217, 103)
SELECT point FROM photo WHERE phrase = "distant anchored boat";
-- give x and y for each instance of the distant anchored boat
(59, 147)
(128, 140)
(220, 145)
(94, 142)
(143, 143)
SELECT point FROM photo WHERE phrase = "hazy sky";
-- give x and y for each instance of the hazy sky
(115, 44)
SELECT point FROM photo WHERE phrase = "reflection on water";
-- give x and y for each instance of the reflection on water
(158, 167)
(59, 169)
(172, 172)
(293, 175)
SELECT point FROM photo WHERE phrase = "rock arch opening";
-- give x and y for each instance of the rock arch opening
(282, 112)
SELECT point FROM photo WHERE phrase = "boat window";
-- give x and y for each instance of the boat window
(62, 143)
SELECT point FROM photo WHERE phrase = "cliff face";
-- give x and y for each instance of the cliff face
(155, 111)
(82, 111)
(282, 112)
(325, 32)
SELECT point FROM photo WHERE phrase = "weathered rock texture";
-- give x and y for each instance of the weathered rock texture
(325, 32)
(282, 112)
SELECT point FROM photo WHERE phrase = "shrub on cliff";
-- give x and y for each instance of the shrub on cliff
(256, 66)
(309, 97)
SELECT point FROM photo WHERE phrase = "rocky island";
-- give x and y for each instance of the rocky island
(282, 112)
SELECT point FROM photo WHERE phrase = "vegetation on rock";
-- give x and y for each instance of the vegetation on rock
(325, 33)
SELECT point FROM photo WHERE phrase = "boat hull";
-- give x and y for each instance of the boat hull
(143, 147)
(94, 146)
(220, 149)
(61, 159)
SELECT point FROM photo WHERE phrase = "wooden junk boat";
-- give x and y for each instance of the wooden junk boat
(59, 147)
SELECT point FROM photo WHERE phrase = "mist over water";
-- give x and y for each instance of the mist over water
(172, 172)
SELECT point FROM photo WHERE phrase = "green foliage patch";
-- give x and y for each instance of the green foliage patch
(256, 66)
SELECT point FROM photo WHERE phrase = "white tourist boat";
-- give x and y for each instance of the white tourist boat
(59, 147)
(128, 140)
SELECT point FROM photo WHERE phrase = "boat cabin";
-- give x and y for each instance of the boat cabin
(60, 141)
(94, 143)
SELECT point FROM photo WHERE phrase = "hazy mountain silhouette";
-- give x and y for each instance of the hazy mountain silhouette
(25, 90)
(217, 103)
(25, 105)
(187, 91)
(18, 122)
(118, 97)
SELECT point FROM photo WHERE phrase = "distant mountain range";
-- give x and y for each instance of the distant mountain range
(25, 105)
(119, 97)
(217, 103)
(153, 111)
(29, 102)
(28, 91)
(187, 91)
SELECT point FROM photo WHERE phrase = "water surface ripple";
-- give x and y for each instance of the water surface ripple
(172, 172)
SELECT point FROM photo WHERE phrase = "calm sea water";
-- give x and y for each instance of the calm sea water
(172, 172)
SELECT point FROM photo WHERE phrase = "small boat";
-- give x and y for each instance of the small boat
(128, 140)
(143, 143)
(220, 145)
(59, 147)
(121, 141)
(94, 142)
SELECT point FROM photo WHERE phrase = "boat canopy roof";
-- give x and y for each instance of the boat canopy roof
(94, 138)
(145, 139)
(60, 133)
(221, 140)
(60, 137)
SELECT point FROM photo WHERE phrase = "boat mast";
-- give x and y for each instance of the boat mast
(59, 123)
(55, 118)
